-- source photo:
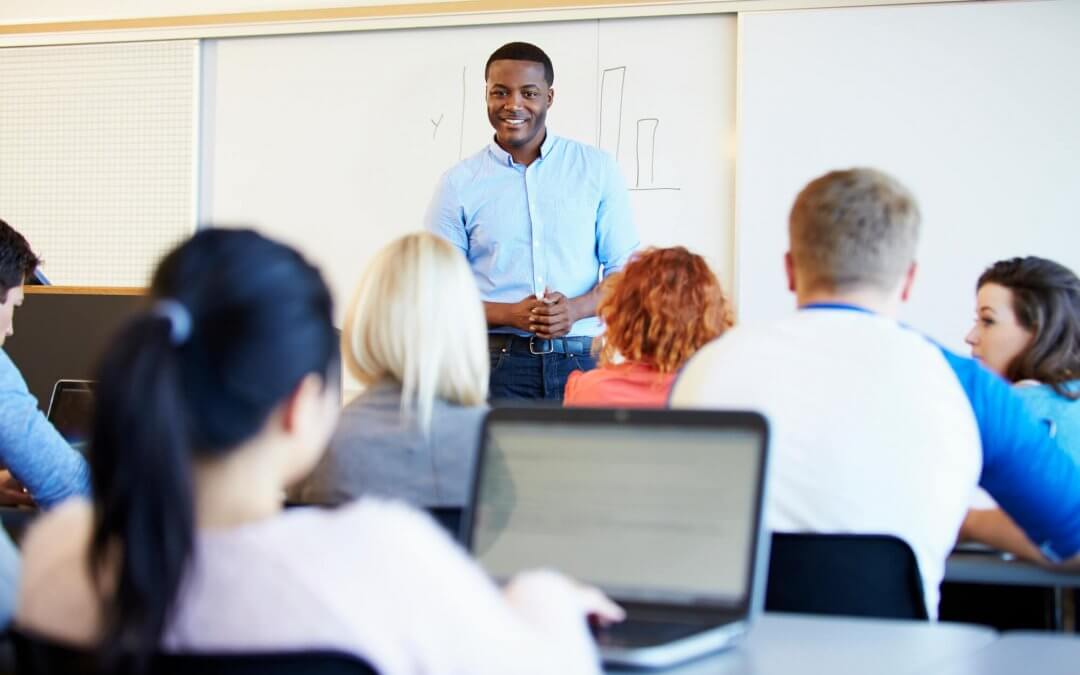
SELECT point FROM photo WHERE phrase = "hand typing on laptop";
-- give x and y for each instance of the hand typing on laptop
(532, 592)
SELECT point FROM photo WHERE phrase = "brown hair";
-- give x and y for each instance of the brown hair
(1046, 301)
(17, 260)
(852, 229)
(661, 308)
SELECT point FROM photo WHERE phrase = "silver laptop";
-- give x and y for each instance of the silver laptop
(661, 509)
(71, 411)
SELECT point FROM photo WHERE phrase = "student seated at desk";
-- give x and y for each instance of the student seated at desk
(415, 337)
(1027, 329)
(657, 311)
(33, 452)
(876, 429)
(207, 406)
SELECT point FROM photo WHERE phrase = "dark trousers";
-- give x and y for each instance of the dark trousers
(518, 376)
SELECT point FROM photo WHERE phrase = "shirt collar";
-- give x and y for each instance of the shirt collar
(549, 142)
(842, 306)
(500, 155)
(503, 157)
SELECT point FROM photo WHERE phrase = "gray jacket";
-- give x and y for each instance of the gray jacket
(377, 450)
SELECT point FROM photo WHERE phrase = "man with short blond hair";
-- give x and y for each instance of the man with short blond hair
(853, 228)
(876, 429)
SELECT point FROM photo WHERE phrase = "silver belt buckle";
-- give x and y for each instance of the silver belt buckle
(532, 349)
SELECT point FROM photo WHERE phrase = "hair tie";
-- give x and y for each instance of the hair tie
(178, 316)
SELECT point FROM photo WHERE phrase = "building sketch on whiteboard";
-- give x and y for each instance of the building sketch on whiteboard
(609, 130)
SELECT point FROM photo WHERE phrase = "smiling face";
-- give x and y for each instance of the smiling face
(7, 312)
(997, 337)
(518, 98)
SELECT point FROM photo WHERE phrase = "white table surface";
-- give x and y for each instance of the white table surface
(794, 644)
(1021, 653)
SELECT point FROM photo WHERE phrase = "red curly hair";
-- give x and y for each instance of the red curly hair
(661, 308)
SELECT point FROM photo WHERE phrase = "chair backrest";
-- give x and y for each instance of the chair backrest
(450, 519)
(846, 574)
(37, 656)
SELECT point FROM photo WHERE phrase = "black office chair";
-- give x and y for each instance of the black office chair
(38, 656)
(844, 574)
(450, 519)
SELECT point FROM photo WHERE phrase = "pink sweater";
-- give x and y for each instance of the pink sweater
(375, 579)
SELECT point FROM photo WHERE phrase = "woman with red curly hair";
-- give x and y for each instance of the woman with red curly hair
(657, 311)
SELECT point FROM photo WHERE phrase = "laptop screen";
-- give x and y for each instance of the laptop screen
(71, 411)
(647, 512)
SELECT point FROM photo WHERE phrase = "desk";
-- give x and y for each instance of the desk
(1021, 652)
(786, 644)
(989, 568)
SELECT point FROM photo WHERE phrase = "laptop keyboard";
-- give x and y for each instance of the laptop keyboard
(643, 633)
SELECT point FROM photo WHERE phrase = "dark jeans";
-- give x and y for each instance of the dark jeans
(517, 376)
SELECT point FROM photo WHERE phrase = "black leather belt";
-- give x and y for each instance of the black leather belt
(517, 344)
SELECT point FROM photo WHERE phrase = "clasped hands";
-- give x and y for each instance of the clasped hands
(547, 318)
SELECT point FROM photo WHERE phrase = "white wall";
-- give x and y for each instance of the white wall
(976, 107)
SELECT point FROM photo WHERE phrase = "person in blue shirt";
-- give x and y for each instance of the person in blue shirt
(33, 453)
(1027, 330)
(540, 220)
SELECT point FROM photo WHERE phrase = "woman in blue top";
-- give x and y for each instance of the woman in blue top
(1027, 329)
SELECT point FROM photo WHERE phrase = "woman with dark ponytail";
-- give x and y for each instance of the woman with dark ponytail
(208, 407)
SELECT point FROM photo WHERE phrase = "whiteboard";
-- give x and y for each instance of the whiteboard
(975, 107)
(335, 143)
(98, 155)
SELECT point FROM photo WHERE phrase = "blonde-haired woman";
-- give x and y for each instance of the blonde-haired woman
(415, 337)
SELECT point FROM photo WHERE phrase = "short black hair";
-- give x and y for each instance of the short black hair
(522, 51)
(17, 260)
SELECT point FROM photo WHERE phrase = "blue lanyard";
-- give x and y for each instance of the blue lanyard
(843, 306)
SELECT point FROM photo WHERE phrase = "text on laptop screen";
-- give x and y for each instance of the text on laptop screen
(646, 513)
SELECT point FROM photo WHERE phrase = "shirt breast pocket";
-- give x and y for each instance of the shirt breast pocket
(572, 224)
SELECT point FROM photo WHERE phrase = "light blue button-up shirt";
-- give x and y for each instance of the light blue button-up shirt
(555, 224)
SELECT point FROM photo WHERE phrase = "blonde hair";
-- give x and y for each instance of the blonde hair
(417, 317)
(851, 229)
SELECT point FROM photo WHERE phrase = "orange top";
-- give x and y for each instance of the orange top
(626, 385)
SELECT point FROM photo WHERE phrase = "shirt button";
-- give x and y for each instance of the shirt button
(536, 244)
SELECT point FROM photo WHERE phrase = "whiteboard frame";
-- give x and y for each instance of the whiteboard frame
(388, 16)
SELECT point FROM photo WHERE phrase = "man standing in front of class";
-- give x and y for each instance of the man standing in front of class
(539, 218)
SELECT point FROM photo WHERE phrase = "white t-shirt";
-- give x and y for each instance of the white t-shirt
(375, 579)
(876, 430)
